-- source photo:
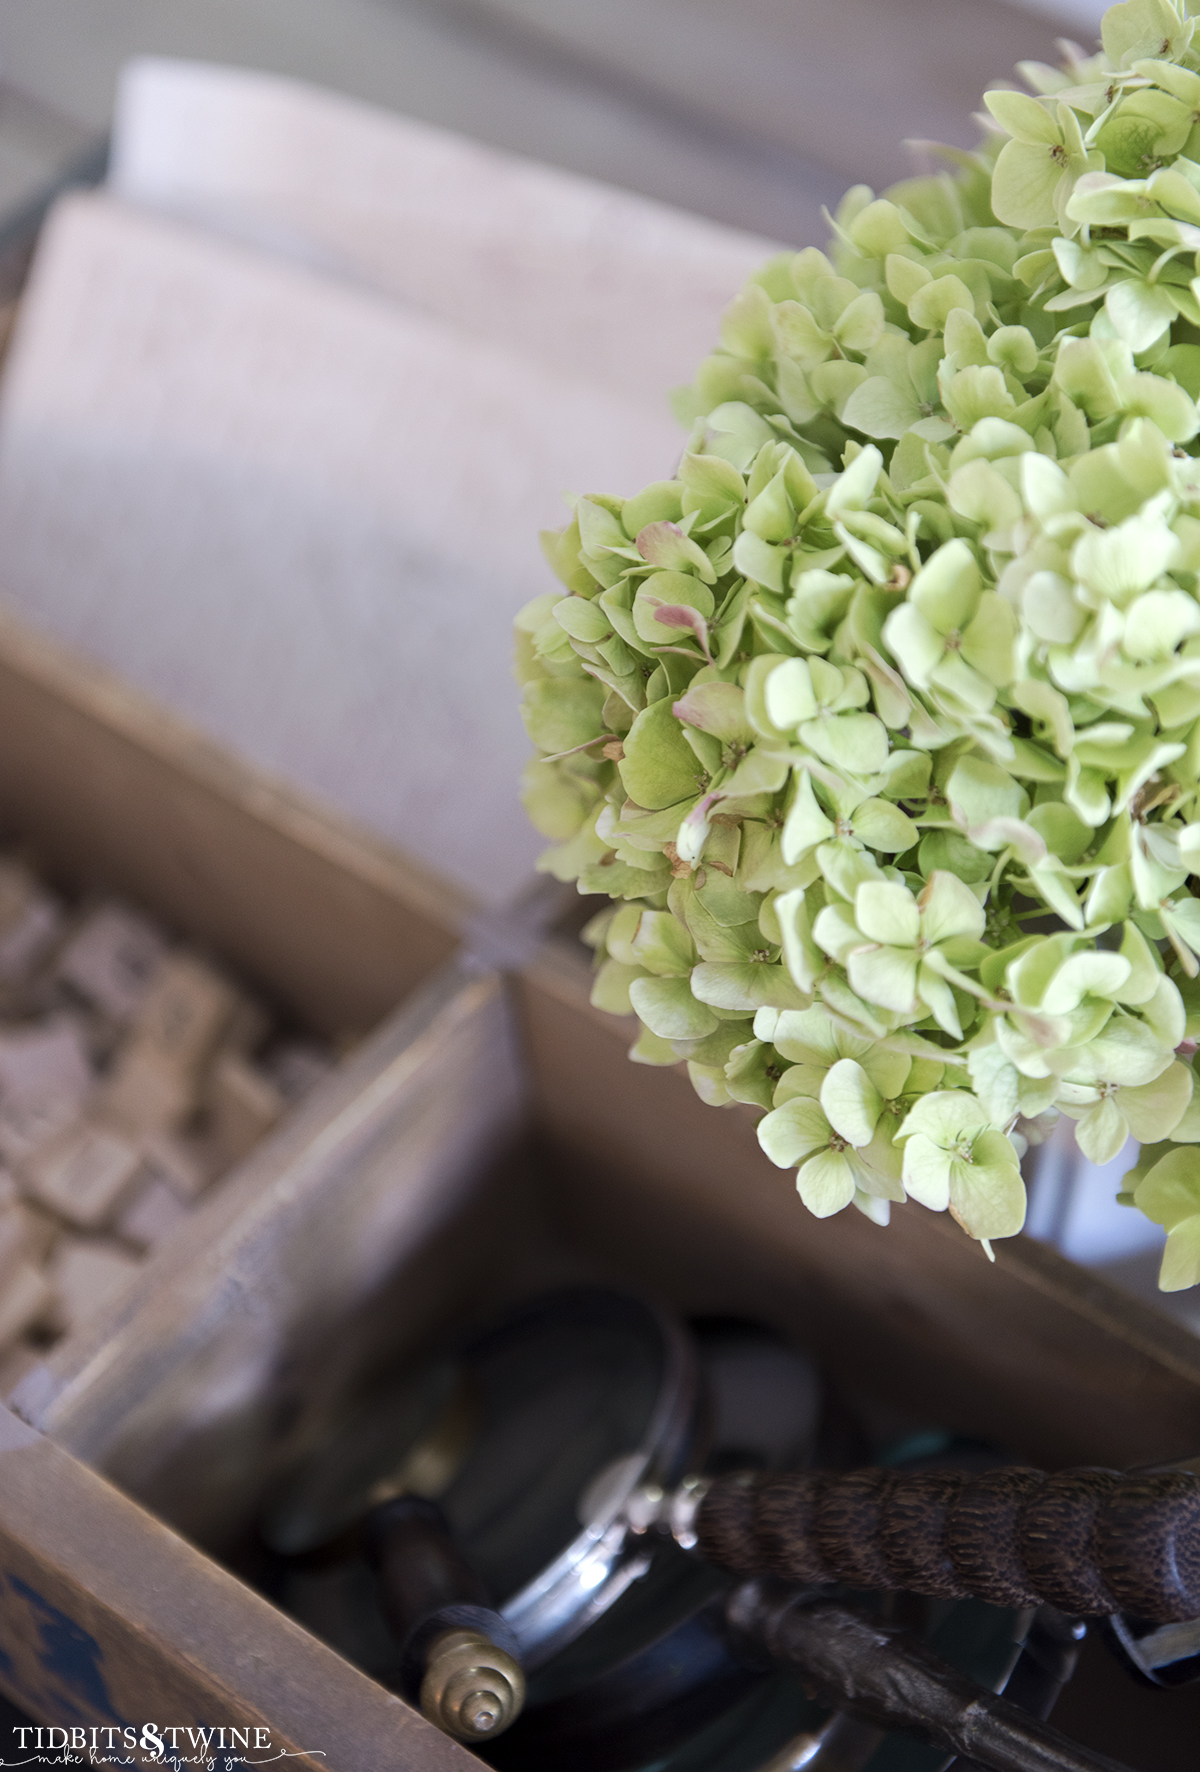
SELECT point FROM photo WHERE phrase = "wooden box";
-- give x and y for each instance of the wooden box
(108, 788)
(490, 1139)
(104, 790)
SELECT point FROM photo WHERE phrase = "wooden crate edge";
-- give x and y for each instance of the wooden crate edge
(101, 695)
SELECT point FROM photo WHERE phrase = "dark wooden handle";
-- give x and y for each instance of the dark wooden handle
(1087, 1541)
(426, 1585)
(459, 1659)
(420, 1568)
(879, 1673)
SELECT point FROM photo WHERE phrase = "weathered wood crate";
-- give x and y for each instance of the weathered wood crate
(490, 1139)
(106, 790)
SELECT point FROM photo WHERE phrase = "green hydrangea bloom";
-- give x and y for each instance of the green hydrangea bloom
(879, 722)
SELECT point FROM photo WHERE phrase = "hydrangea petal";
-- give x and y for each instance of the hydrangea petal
(663, 946)
(1102, 1132)
(1084, 974)
(914, 643)
(880, 407)
(887, 912)
(669, 1009)
(946, 589)
(948, 908)
(938, 998)
(1154, 1110)
(988, 1199)
(658, 767)
(1181, 1257)
(885, 976)
(949, 1117)
(926, 1173)
(788, 694)
(610, 987)
(851, 1102)
(1140, 311)
(790, 1133)
(748, 986)
(1023, 117)
(719, 708)
(807, 1037)
(880, 825)
(826, 1183)
(1024, 184)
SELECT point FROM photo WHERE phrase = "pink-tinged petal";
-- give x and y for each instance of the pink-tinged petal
(679, 615)
(719, 708)
(664, 544)
(694, 830)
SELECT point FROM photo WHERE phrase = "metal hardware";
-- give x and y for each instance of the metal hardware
(471, 1689)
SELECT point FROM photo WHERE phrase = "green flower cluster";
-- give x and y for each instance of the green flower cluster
(880, 721)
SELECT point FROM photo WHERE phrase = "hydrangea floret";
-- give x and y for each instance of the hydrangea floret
(879, 720)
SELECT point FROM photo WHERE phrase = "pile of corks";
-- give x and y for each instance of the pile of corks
(134, 1074)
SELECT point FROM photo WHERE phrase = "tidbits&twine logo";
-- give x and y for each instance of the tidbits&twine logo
(221, 1749)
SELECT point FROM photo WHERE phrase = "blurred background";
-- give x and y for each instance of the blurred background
(142, 521)
(753, 112)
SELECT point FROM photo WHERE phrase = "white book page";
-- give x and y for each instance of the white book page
(596, 282)
(301, 514)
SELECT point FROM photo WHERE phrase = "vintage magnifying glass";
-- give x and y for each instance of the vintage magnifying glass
(460, 1485)
(664, 1682)
(559, 1491)
(685, 1698)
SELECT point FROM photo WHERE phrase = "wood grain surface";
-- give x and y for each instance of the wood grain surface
(108, 1615)
(113, 791)
(1052, 1362)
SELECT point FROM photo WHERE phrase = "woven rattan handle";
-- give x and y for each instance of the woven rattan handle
(1087, 1541)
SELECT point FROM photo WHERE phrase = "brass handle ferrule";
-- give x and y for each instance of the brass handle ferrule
(471, 1690)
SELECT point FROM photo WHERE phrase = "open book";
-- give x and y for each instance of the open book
(287, 406)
